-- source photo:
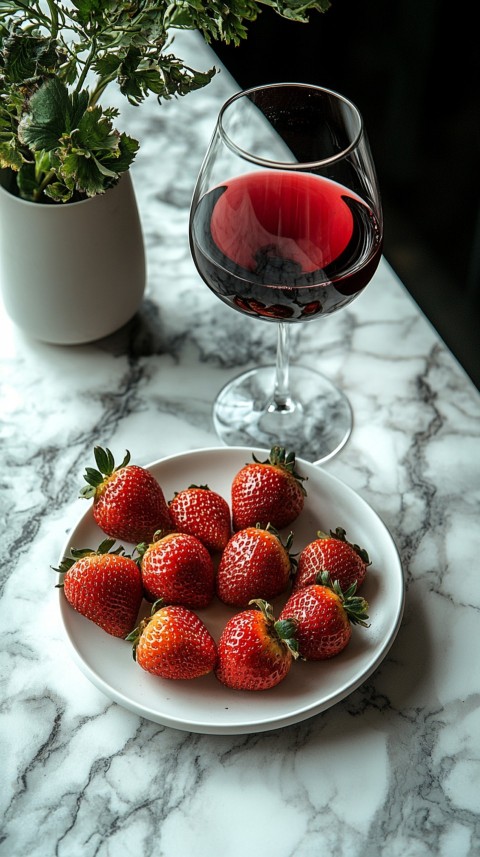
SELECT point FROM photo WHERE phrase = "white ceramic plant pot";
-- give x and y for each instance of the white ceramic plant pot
(71, 272)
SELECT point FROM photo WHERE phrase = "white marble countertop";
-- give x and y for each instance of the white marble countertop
(393, 769)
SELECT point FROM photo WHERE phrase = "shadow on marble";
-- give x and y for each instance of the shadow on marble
(143, 336)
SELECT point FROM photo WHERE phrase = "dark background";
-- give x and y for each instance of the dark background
(412, 69)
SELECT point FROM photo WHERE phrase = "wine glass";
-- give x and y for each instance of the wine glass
(286, 226)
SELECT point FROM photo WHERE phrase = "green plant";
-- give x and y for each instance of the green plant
(57, 59)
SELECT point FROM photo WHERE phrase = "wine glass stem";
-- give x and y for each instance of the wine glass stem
(282, 400)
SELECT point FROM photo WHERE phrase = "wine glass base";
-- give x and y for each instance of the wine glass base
(315, 422)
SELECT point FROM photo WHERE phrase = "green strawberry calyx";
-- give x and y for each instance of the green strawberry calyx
(341, 536)
(142, 547)
(106, 467)
(286, 545)
(104, 547)
(284, 461)
(134, 636)
(281, 630)
(354, 605)
(192, 487)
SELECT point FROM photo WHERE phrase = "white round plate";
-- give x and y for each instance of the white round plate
(204, 704)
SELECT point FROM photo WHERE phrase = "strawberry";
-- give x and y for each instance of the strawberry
(267, 492)
(202, 513)
(254, 651)
(128, 502)
(104, 586)
(174, 643)
(178, 569)
(323, 617)
(346, 562)
(254, 564)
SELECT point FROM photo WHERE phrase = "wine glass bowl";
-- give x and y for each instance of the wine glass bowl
(286, 227)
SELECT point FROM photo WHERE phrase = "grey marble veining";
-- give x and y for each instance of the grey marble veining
(392, 770)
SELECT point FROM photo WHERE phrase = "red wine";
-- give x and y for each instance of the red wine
(285, 245)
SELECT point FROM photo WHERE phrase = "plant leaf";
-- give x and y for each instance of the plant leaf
(52, 113)
(26, 56)
(10, 155)
(58, 192)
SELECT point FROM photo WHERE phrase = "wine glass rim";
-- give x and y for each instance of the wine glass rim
(293, 165)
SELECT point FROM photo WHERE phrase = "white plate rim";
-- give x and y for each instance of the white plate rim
(256, 723)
